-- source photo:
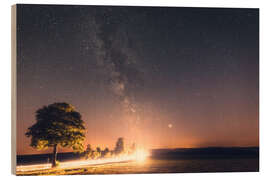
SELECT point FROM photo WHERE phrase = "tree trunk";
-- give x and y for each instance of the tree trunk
(54, 155)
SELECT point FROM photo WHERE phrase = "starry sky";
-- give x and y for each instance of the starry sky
(159, 77)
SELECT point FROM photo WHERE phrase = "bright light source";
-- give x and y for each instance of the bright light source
(141, 155)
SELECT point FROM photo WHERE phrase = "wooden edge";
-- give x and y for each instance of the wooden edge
(13, 87)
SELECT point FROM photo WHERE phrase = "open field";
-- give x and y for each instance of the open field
(160, 161)
(158, 166)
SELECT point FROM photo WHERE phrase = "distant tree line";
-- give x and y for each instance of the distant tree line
(119, 149)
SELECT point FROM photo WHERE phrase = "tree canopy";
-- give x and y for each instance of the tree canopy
(57, 124)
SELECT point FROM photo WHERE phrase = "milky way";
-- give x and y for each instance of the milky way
(162, 77)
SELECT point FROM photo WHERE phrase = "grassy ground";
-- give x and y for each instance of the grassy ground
(112, 168)
(158, 166)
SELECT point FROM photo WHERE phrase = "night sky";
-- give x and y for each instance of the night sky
(159, 77)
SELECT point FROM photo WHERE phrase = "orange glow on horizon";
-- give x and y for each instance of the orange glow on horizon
(140, 156)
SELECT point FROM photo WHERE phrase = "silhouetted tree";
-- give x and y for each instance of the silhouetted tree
(88, 152)
(119, 147)
(57, 124)
(98, 150)
(105, 153)
(106, 150)
(88, 148)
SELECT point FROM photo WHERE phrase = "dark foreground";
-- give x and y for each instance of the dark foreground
(173, 161)
(160, 166)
